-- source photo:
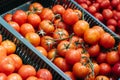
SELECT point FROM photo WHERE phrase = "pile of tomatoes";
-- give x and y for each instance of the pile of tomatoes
(107, 11)
(12, 67)
(80, 50)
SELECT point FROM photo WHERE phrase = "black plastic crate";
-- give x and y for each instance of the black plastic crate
(28, 53)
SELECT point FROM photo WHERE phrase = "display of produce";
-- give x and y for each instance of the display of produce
(106, 11)
(69, 37)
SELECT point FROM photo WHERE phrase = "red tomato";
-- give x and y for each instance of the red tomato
(114, 3)
(20, 17)
(105, 69)
(84, 5)
(99, 29)
(14, 25)
(70, 74)
(52, 54)
(101, 58)
(107, 14)
(7, 65)
(14, 76)
(34, 20)
(7, 17)
(112, 57)
(116, 69)
(3, 76)
(72, 56)
(42, 50)
(111, 27)
(99, 16)
(44, 74)
(92, 9)
(70, 17)
(26, 71)
(61, 63)
(112, 22)
(1, 38)
(105, 42)
(100, 77)
(105, 4)
(32, 78)
(3, 51)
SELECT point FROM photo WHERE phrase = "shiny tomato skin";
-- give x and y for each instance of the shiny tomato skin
(44, 74)
(14, 25)
(20, 17)
(3, 76)
(7, 17)
(42, 50)
(14, 76)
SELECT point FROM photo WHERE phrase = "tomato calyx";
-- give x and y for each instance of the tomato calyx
(41, 32)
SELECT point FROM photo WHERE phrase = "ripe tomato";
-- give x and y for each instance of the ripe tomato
(7, 65)
(42, 50)
(105, 42)
(32, 78)
(107, 14)
(99, 29)
(47, 26)
(60, 33)
(91, 36)
(116, 69)
(105, 69)
(79, 13)
(44, 74)
(70, 17)
(34, 20)
(99, 16)
(111, 27)
(80, 27)
(72, 56)
(9, 46)
(102, 77)
(36, 7)
(52, 54)
(70, 74)
(33, 38)
(7, 17)
(64, 46)
(47, 14)
(3, 51)
(17, 60)
(112, 22)
(61, 63)
(58, 9)
(26, 71)
(94, 50)
(14, 76)
(112, 57)
(19, 16)
(3, 76)
(101, 58)
(47, 42)
(25, 28)
(14, 25)
(92, 9)
(80, 70)
(96, 68)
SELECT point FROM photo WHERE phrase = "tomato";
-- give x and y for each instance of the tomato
(7, 17)
(47, 42)
(118, 7)
(112, 57)
(96, 5)
(102, 77)
(3, 76)
(32, 78)
(105, 69)
(46, 14)
(14, 76)
(107, 14)
(92, 9)
(61, 63)
(36, 7)
(17, 60)
(105, 4)
(26, 71)
(70, 74)
(42, 50)
(44, 74)
(80, 27)
(70, 17)
(80, 70)
(3, 51)
(60, 34)
(114, 3)
(99, 16)
(14, 25)
(79, 13)
(20, 17)
(34, 20)
(91, 36)
(101, 58)
(116, 69)
(25, 28)
(52, 54)
(84, 5)
(1, 38)
(9, 46)
(7, 65)
(112, 22)
(105, 42)
(64, 46)
(58, 9)
(111, 27)
(72, 56)
(33, 38)
(47, 26)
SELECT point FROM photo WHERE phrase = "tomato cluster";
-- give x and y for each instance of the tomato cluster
(12, 67)
(80, 50)
(107, 11)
